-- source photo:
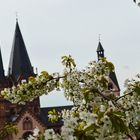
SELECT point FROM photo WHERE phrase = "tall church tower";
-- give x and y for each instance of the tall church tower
(113, 82)
(20, 66)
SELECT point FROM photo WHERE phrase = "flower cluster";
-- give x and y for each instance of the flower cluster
(35, 87)
(85, 85)
(137, 2)
(95, 114)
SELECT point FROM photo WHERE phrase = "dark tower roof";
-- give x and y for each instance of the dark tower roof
(100, 47)
(100, 51)
(19, 66)
(1, 67)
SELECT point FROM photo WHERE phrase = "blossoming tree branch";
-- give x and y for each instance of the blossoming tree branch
(137, 2)
(97, 114)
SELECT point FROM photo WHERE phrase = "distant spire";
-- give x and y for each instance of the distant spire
(1, 67)
(100, 50)
(19, 65)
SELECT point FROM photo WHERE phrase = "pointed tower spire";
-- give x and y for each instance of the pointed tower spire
(1, 67)
(19, 66)
(100, 51)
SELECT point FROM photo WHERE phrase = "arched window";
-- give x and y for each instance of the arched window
(27, 124)
(110, 86)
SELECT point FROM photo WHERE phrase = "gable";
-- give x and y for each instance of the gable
(26, 123)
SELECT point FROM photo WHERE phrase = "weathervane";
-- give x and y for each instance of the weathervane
(17, 16)
(99, 37)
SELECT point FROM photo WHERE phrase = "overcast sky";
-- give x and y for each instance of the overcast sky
(53, 28)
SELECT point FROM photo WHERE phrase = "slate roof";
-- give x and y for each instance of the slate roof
(44, 115)
(114, 79)
(19, 65)
(100, 47)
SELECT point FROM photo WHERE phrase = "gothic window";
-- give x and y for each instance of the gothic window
(110, 86)
(27, 124)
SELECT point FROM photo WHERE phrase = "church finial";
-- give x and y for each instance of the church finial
(99, 37)
(16, 16)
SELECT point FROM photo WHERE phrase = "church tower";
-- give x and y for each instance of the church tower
(20, 67)
(113, 82)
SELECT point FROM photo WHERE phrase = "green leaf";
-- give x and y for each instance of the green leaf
(117, 122)
(45, 74)
(32, 79)
(137, 90)
(68, 61)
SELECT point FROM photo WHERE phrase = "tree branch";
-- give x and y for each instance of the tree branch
(130, 93)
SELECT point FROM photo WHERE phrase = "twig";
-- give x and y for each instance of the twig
(123, 96)
(130, 137)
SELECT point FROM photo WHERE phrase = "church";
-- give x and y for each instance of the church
(27, 117)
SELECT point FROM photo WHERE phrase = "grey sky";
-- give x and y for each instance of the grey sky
(53, 28)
